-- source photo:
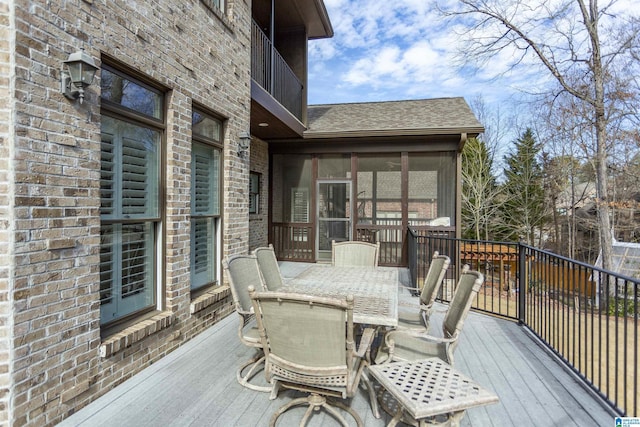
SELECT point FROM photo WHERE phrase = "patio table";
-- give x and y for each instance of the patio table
(374, 290)
(428, 388)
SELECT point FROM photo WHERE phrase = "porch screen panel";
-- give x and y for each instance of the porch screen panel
(379, 204)
(334, 166)
(291, 208)
(291, 189)
(432, 189)
(379, 193)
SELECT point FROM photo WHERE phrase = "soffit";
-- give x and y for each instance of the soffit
(295, 14)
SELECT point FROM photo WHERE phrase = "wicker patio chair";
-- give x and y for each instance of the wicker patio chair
(354, 254)
(408, 316)
(309, 346)
(243, 272)
(269, 267)
(413, 344)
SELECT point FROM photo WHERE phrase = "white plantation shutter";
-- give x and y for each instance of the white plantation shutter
(129, 184)
(299, 212)
(204, 161)
(126, 269)
(202, 250)
(205, 207)
(136, 260)
(134, 178)
(300, 205)
(107, 267)
(107, 176)
(129, 189)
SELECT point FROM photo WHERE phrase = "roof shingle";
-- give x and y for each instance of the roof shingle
(412, 117)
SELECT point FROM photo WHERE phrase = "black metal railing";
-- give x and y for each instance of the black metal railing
(586, 315)
(273, 74)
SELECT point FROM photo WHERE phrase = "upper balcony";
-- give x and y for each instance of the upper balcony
(279, 35)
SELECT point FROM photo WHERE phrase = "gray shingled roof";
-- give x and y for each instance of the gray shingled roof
(413, 117)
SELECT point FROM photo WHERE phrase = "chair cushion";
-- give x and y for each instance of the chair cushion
(410, 318)
(251, 333)
(412, 348)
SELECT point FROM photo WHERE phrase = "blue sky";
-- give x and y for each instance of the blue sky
(403, 49)
(385, 51)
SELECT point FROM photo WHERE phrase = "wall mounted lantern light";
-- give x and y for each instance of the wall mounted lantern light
(79, 73)
(245, 143)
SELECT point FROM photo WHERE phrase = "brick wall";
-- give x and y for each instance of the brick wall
(6, 216)
(60, 363)
(259, 223)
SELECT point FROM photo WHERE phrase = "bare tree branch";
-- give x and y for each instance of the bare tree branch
(565, 38)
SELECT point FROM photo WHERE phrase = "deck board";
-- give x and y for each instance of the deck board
(196, 385)
(520, 400)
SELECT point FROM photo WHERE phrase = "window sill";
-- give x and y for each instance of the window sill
(135, 333)
(208, 298)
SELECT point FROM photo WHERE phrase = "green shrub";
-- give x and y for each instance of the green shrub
(617, 307)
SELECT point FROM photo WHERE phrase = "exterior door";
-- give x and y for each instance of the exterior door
(334, 215)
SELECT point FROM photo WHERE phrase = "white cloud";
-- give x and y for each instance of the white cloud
(404, 49)
(393, 66)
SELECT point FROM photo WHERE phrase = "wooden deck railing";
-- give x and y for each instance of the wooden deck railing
(273, 74)
(587, 316)
(391, 238)
(293, 241)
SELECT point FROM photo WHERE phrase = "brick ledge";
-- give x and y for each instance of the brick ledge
(209, 298)
(134, 333)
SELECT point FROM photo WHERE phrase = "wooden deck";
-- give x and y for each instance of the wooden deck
(196, 385)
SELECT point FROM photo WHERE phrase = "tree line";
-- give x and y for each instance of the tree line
(544, 198)
(583, 136)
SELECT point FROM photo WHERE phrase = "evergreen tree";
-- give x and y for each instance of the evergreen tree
(523, 210)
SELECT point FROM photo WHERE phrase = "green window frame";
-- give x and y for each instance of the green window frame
(132, 130)
(206, 155)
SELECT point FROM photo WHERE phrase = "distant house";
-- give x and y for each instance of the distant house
(575, 197)
(194, 141)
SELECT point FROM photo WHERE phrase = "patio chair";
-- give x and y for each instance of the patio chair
(269, 267)
(243, 272)
(309, 346)
(408, 316)
(354, 254)
(413, 344)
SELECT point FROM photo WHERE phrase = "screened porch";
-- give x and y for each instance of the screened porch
(375, 197)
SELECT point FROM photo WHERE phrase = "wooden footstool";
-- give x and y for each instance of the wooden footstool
(426, 389)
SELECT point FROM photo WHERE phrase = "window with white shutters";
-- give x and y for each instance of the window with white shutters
(205, 199)
(129, 196)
